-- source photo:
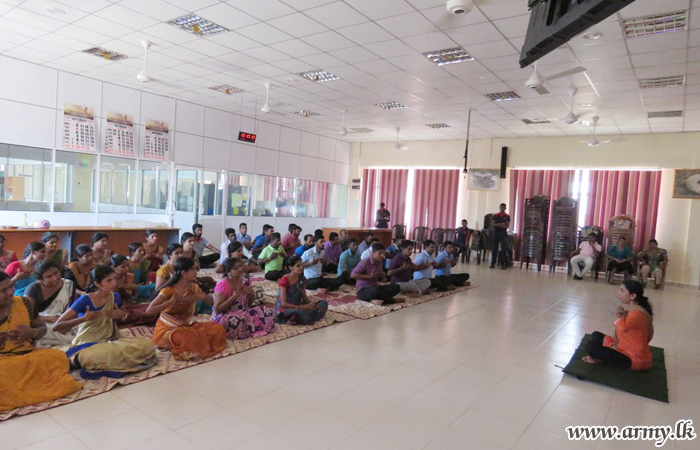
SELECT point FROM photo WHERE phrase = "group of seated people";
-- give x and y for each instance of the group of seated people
(47, 301)
(652, 260)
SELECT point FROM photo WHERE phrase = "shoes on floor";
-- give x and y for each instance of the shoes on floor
(576, 277)
(492, 266)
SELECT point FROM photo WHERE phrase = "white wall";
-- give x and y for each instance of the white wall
(31, 114)
(662, 151)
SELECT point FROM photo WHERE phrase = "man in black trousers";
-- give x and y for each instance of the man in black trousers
(500, 223)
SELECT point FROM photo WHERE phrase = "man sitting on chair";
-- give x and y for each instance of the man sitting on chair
(620, 257)
(586, 253)
(653, 260)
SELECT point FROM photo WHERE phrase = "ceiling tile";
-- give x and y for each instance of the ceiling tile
(501, 10)
(336, 15)
(444, 20)
(292, 65)
(365, 33)
(295, 48)
(89, 6)
(353, 55)
(298, 25)
(410, 62)
(126, 17)
(79, 34)
(321, 61)
(227, 16)
(389, 49)
(165, 32)
(39, 7)
(262, 9)
(156, 9)
(33, 19)
(375, 67)
(514, 26)
(652, 7)
(492, 50)
(328, 41)
(430, 41)
(376, 10)
(264, 33)
(658, 42)
(302, 5)
(266, 54)
(475, 34)
(407, 25)
(207, 48)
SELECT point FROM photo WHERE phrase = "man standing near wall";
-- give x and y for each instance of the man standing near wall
(500, 223)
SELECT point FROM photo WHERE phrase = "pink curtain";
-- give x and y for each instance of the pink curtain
(323, 199)
(384, 186)
(285, 190)
(435, 198)
(630, 192)
(526, 184)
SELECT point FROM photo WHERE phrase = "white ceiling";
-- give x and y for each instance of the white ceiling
(375, 47)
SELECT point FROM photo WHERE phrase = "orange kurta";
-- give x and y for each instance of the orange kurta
(176, 332)
(632, 339)
(29, 376)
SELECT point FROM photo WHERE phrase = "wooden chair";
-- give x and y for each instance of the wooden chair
(448, 236)
(420, 234)
(398, 230)
(582, 236)
(619, 226)
(478, 245)
(438, 236)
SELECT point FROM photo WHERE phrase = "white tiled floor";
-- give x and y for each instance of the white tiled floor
(475, 370)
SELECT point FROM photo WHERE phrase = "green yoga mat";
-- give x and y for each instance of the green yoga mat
(648, 383)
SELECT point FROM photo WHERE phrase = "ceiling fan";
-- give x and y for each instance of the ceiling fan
(594, 142)
(536, 81)
(144, 76)
(570, 118)
(267, 109)
(397, 145)
(343, 131)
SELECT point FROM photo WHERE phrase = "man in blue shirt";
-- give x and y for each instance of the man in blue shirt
(243, 237)
(393, 250)
(308, 243)
(444, 262)
(262, 240)
(313, 260)
(348, 260)
(364, 245)
(424, 264)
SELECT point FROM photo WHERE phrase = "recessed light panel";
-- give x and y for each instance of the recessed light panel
(502, 96)
(651, 25)
(660, 82)
(318, 76)
(535, 121)
(306, 113)
(226, 89)
(196, 25)
(390, 105)
(665, 114)
(361, 130)
(437, 126)
(105, 54)
(448, 56)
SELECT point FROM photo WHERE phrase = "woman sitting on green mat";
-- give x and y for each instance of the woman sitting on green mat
(628, 348)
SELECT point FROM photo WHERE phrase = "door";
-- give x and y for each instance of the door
(184, 206)
(212, 208)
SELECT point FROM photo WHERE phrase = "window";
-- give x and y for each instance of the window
(152, 196)
(264, 195)
(117, 184)
(323, 197)
(25, 178)
(306, 191)
(338, 201)
(186, 189)
(213, 191)
(74, 185)
(239, 193)
(286, 197)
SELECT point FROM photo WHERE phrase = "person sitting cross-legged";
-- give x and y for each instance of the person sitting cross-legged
(293, 306)
(332, 251)
(368, 272)
(424, 264)
(620, 259)
(313, 260)
(444, 262)
(308, 243)
(272, 257)
(368, 251)
(401, 271)
(348, 260)
(586, 253)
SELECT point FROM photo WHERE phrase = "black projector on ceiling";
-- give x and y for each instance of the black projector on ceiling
(555, 22)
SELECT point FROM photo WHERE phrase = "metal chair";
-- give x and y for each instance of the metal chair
(420, 234)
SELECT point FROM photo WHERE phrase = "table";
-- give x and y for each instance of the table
(70, 237)
(383, 234)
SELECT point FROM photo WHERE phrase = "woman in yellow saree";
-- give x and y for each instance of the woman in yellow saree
(176, 303)
(99, 350)
(27, 375)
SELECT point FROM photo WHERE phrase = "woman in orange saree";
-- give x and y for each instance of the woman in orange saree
(176, 303)
(27, 375)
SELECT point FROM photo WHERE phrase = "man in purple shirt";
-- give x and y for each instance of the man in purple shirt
(401, 271)
(332, 251)
(368, 272)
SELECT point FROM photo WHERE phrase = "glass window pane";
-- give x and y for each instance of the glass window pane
(154, 179)
(214, 183)
(286, 197)
(186, 189)
(306, 191)
(25, 178)
(74, 182)
(117, 179)
(264, 194)
(239, 188)
(338, 201)
(323, 196)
